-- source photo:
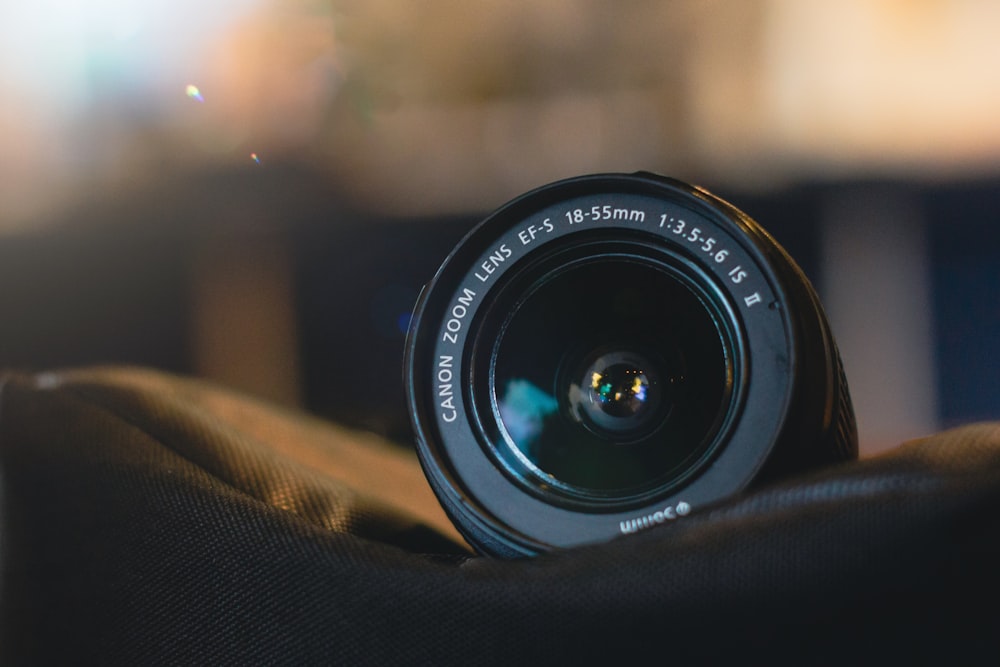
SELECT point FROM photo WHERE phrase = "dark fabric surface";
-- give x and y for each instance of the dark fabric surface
(148, 520)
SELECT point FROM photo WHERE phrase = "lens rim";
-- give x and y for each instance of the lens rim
(492, 514)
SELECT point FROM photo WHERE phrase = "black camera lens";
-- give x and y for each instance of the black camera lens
(607, 353)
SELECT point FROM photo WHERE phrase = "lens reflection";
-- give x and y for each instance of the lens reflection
(619, 394)
(610, 387)
(524, 408)
(620, 390)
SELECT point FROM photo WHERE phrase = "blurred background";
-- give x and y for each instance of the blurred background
(253, 191)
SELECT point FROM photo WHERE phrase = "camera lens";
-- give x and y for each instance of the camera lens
(610, 352)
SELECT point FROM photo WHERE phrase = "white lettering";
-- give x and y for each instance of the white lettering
(445, 388)
(467, 297)
(668, 513)
(531, 232)
(496, 258)
(458, 313)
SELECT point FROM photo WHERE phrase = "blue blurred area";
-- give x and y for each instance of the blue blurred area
(965, 261)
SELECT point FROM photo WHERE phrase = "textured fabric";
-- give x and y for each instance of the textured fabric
(146, 520)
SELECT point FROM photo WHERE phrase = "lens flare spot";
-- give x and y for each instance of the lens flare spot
(595, 381)
(619, 389)
(255, 157)
(193, 93)
(639, 387)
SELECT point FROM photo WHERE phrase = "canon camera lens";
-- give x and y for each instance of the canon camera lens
(612, 352)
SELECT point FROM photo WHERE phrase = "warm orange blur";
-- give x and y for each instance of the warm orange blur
(449, 106)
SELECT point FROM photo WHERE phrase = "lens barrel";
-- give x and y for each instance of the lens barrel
(612, 352)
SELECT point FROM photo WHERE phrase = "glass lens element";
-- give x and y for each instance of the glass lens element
(620, 390)
(610, 377)
(618, 393)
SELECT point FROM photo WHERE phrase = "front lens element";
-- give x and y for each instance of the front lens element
(610, 389)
